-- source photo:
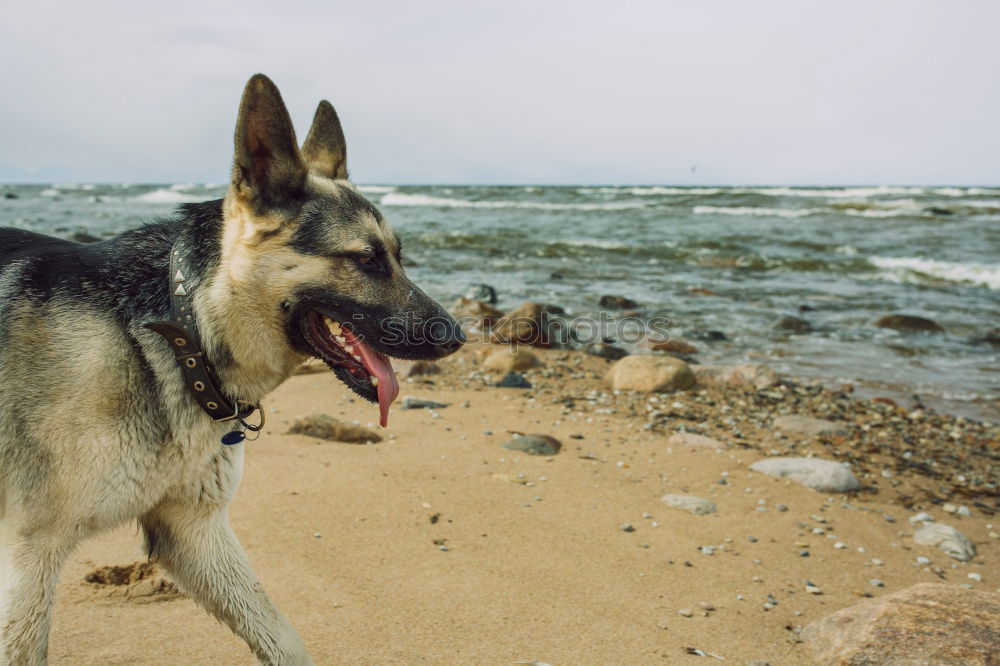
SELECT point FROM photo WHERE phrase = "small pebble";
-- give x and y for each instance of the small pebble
(875, 582)
(813, 589)
(780, 507)
(627, 527)
(752, 539)
(839, 545)
(707, 550)
(923, 560)
(976, 577)
(685, 612)
(706, 606)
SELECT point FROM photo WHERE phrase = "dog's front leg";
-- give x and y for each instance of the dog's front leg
(202, 554)
(29, 570)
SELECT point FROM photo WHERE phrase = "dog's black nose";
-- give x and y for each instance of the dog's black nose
(446, 334)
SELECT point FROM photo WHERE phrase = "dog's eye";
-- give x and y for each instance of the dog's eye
(364, 260)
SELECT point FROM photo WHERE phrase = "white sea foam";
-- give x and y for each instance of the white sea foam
(744, 211)
(595, 242)
(909, 269)
(167, 196)
(50, 192)
(376, 189)
(404, 199)
(651, 191)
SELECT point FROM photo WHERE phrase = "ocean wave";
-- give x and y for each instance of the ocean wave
(754, 211)
(167, 196)
(911, 269)
(595, 243)
(376, 189)
(652, 190)
(403, 199)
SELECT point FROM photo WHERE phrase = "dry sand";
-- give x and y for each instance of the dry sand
(348, 539)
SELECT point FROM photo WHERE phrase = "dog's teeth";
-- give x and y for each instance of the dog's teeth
(340, 340)
(333, 326)
(357, 358)
(374, 381)
(349, 350)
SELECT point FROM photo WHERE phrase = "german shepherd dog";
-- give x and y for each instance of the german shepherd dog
(100, 422)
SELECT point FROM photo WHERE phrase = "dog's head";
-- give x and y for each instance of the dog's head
(318, 258)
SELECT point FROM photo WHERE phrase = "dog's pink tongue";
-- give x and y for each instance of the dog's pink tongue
(379, 365)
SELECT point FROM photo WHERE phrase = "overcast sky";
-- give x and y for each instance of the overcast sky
(429, 91)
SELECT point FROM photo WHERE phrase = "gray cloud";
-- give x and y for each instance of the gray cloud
(753, 92)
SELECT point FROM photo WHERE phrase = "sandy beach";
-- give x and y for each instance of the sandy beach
(436, 545)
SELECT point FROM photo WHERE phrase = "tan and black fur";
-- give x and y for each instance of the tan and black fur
(96, 425)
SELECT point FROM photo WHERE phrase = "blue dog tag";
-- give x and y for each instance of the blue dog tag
(234, 437)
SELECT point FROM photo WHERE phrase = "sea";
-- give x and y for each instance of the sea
(732, 260)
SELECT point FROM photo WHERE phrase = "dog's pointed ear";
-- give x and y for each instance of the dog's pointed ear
(325, 150)
(268, 170)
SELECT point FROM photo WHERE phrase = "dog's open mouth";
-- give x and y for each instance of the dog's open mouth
(366, 371)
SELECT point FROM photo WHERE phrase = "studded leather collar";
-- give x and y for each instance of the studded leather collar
(181, 334)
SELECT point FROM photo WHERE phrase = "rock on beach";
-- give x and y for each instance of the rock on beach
(530, 324)
(324, 426)
(480, 313)
(822, 475)
(928, 623)
(947, 539)
(696, 505)
(536, 445)
(695, 441)
(511, 359)
(651, 374)
(752, 374)
(803, 425)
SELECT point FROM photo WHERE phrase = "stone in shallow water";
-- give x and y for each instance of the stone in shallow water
(822, 475)
(696, 505)
(616, 302)
(482, 292)
(536, 445)
(927, 623)
(794, 324)
(947, 539)
(901, 322)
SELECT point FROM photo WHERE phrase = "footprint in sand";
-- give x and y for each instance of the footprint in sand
(138, 582)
